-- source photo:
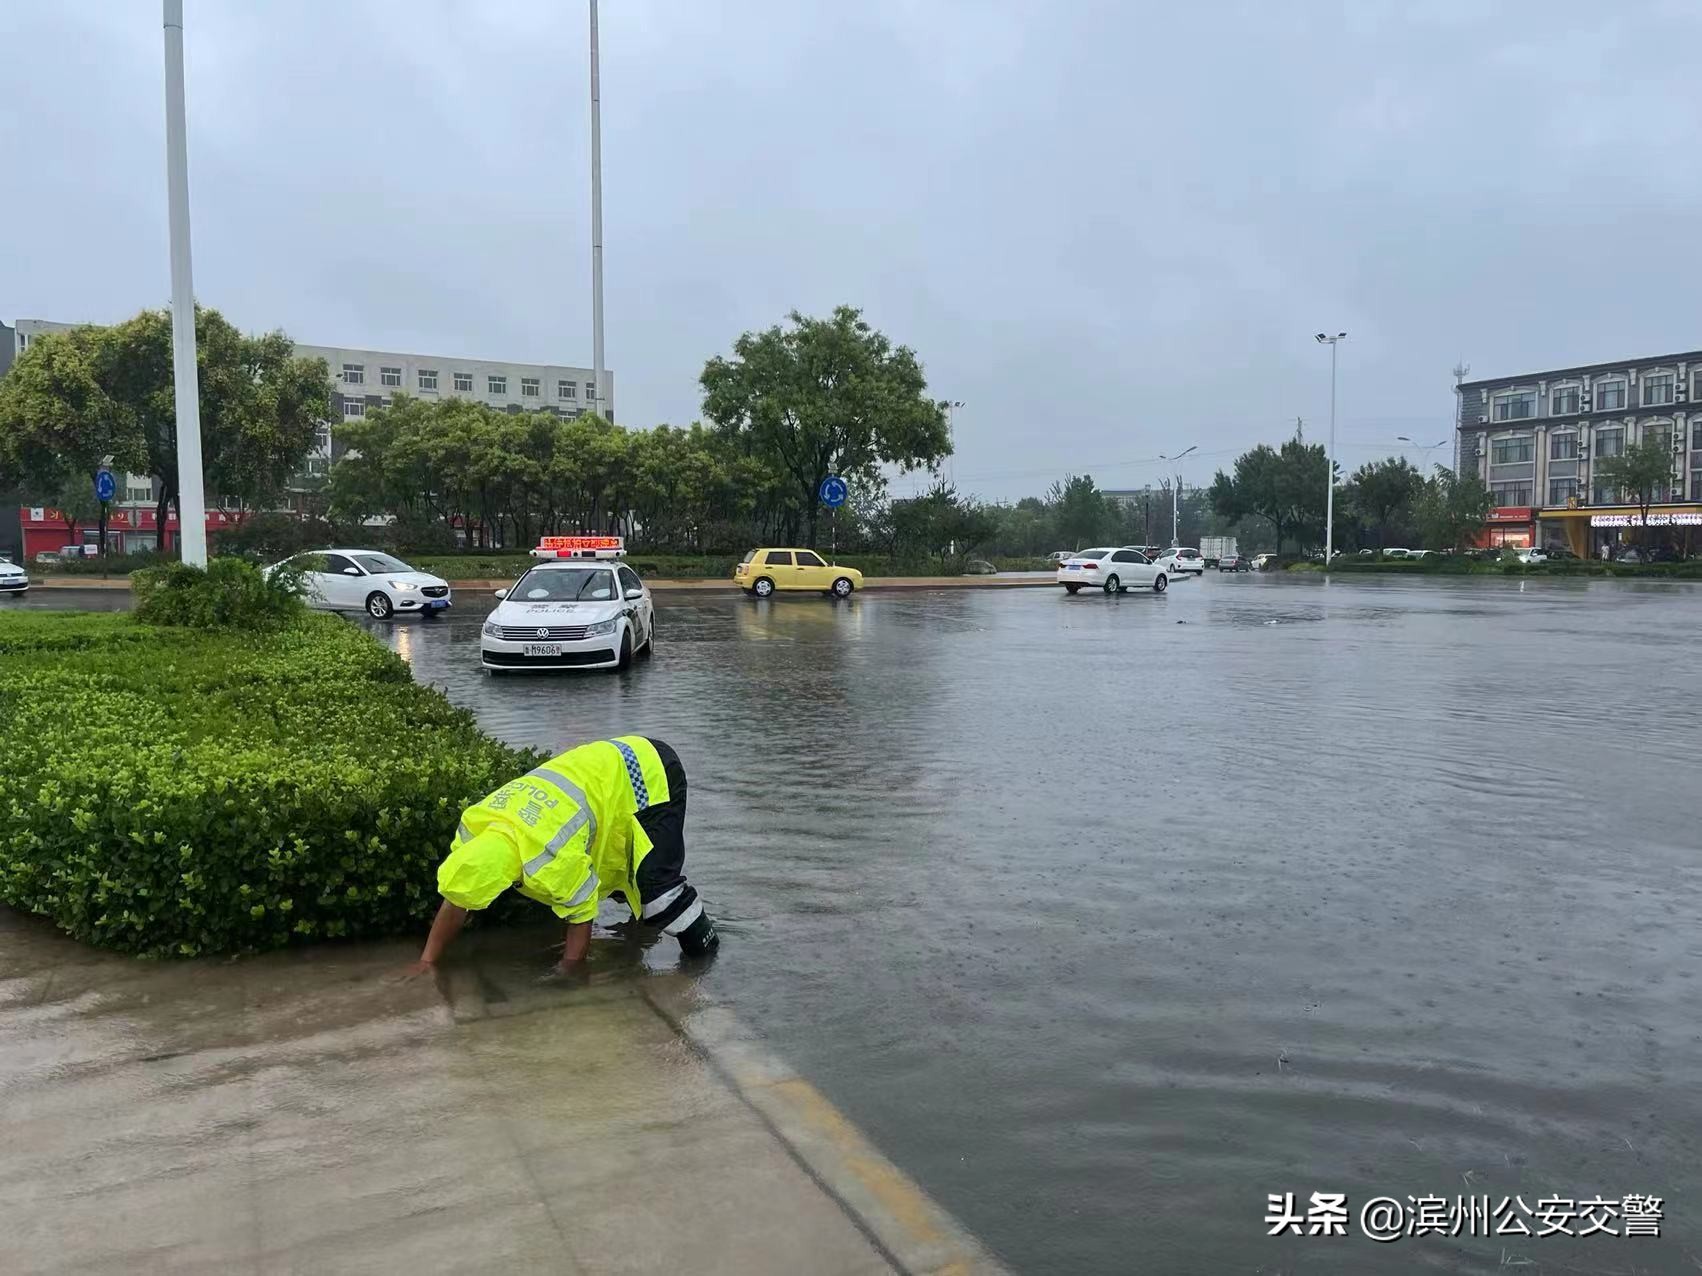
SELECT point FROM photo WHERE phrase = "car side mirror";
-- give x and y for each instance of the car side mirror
(351, 571)
(633, 595)
(501, 594)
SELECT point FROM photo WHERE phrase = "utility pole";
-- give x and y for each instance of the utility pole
(1460, 370)
(191, 494)
(596, 224)
(1330, 489)
(1176, 495)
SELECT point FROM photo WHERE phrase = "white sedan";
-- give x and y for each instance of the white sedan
(1113, 570)
(370, 581)
(570, 615)
(13, 579)
(1179, 559)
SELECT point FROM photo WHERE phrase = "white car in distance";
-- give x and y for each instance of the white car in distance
(1179, 559)
(1112, 569)
(570, 614)
(368, 580)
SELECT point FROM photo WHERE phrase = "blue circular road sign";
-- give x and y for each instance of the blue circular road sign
(106, 487)
(833, 491)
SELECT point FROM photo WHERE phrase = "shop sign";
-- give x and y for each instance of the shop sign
(1511, 514)
(1655, 520)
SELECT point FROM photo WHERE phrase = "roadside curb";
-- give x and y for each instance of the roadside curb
(912, 1232)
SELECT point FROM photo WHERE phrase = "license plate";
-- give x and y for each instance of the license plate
(543, 649)
(1072, 567)
(437, 602)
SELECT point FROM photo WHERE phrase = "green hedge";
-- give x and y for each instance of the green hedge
(1453, 566)
(171, 791)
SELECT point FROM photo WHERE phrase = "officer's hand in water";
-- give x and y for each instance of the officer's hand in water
(414, 969)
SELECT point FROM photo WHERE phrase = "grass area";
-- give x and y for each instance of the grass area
(174, 791)
(1691, 570)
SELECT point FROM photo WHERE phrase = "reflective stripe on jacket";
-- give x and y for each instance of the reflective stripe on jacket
(575, 819)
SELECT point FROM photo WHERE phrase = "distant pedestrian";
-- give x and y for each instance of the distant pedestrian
(602, 819)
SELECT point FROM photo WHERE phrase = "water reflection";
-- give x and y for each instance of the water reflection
(1040, 890)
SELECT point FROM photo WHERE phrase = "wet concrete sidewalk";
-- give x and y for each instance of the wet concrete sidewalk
(310, 1111)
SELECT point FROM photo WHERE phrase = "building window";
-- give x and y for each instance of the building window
(428, 380)
(1696, 435)
(1657, 390)
(1658, 436)
(355, 374)
(1561, 490)
(1515, 405)
(1561, 447)
(1602, 494)
(1564, 402)
(316, 466)
(139, 495)
(1507, 494)
(1609, 396)
(529, 389)
(357, 407)
(390, 376)
(1610, 442)
(568, 390)
(499, 385)
(464, 383)
(1696, 485)
(1512, 451)
(322, 438)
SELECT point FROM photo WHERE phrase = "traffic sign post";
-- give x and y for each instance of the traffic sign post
(833, 492)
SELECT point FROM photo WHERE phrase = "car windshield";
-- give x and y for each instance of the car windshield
(378, 563)
(564, 585)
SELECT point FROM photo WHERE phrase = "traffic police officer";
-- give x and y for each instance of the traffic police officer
(601, 819)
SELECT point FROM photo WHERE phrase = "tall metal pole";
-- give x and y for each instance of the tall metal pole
(1176, 512)
(1330, 490)
(191, 495)
(596, 220)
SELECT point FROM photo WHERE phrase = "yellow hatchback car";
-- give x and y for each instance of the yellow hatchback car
(765, 570)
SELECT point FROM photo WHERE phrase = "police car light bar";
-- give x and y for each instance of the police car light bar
(580, 547)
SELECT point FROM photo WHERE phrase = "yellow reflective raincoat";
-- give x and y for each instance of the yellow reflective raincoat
(566, 833)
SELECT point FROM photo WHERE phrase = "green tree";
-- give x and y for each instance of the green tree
(1079, 509)
(825, 396)
(1450, 507)
(1643, 472)
(1382, 489)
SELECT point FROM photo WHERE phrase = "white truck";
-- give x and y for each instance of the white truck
(1213, 548)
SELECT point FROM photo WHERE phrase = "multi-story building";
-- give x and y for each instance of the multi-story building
(365, 379)
(1538, 440)
(360, 381)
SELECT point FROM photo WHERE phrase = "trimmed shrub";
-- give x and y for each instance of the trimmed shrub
(175, 791)
(228, 594)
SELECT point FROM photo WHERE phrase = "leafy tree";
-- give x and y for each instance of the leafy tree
(59, 422)
(1381, 489)
(1080, 510)
(1450, 507)
(1643, 472)
(75, 397)
(824, 396)
(1287, 487)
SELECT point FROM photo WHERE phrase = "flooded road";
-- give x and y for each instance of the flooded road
(1107, 918)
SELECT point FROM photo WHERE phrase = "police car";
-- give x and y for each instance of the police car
(577, 607)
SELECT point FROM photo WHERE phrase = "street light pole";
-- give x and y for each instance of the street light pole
(1176, 497)
(191, 494)
(596, 223)
(952, 406)
(1330, 489)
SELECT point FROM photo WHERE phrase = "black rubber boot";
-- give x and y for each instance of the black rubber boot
(699, 939)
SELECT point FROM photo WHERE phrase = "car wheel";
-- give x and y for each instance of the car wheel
(1113, 585)
(625, 661)
(842, 587)
(1160, 583)
(1071, 589)
(763, 587)
(378, 605)
(649, 647)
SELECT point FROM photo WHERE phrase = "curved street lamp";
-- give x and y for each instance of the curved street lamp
(1176, 495)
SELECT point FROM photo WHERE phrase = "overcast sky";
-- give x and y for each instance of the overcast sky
(1109, 228)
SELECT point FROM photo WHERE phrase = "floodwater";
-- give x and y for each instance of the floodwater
(1108, 918)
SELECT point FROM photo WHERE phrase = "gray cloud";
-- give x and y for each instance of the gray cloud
(1108, 228)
